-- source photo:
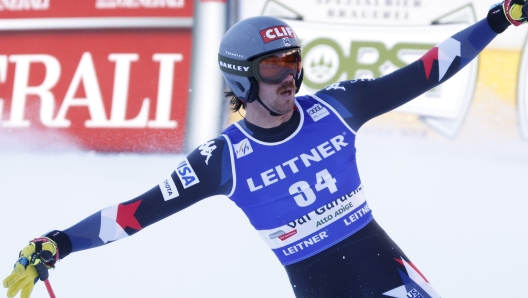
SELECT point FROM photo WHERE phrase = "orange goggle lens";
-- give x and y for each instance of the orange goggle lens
(273, 68)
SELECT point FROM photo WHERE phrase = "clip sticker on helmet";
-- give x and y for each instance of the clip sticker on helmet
(263, 49)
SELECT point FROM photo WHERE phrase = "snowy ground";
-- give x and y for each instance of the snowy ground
(459, 212)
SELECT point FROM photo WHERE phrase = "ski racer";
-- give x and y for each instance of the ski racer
(290, 165)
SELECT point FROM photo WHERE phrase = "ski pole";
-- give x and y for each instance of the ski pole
(48, 287)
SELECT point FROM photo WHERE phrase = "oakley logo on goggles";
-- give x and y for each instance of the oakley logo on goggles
(272, 68)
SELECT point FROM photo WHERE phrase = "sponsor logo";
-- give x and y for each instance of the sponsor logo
(113, 4)
(168, 189)
(234, 54)
(326, 59)
(288, 235)
(186, 174)
(356, 215)
(243, 148)
(277, 32)
(292, 166)
(286, 41)
(335, 86)
(300, 221)
(233, 67)
(340, 209)
(207, 150)
(305, 244)
(277, 234)
(318, 112)
(15, 5)
(282, 235)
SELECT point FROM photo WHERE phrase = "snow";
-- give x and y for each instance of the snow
(458, 211)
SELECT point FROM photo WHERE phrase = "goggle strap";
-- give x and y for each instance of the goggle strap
(236, 67)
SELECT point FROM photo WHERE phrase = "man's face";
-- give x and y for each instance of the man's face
(278, 97)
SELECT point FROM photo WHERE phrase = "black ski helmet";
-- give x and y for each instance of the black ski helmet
(248, 40)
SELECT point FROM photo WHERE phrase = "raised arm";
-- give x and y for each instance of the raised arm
(362, 100)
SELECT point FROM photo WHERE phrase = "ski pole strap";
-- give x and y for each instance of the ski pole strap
(48, 257)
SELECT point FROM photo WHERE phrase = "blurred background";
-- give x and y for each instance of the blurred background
(101, 99)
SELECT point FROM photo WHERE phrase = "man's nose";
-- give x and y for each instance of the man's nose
(288, 78)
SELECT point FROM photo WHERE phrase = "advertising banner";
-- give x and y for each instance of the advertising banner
(101, 82)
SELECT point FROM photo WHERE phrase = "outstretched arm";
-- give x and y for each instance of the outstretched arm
(366, 99)
(203, 173)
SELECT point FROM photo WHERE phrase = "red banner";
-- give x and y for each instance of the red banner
(94, 8)
(110, 90)
(118, 88)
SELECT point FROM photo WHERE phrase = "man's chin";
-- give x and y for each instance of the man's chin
(288, 106)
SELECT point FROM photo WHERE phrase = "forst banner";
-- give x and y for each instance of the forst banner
(102, 75)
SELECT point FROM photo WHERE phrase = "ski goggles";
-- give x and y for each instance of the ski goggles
(271, 68)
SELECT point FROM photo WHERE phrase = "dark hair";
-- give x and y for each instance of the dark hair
(235, 103)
